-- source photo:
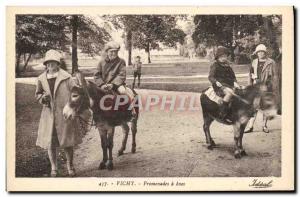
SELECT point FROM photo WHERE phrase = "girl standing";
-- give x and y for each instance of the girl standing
(263, 70)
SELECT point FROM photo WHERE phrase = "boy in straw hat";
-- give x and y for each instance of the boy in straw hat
(53, 91)
(111, 72)
(223, 78)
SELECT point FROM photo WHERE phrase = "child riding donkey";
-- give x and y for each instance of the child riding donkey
(111, 73)
(223, 79)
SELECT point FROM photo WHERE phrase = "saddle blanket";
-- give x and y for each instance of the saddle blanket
(211, 94)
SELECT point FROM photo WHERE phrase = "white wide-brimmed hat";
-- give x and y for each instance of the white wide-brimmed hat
(260, 47)
(52, 55)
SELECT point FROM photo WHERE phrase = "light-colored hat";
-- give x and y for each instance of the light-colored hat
(260, 47)
(52, 55)
(112, 46)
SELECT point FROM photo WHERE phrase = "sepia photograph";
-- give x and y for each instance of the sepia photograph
(159, 99)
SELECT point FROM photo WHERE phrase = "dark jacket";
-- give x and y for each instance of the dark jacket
(113, 72)
(221, 73)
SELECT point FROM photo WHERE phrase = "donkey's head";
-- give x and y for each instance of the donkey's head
(262, 99)
(79, 99)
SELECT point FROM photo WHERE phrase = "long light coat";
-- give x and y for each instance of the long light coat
(68, 132)
(270, 71)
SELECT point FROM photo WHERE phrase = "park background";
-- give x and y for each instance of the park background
(176, 52)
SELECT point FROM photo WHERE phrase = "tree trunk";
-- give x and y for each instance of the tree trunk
(18, 59)
(26, 62)
(234, 37)
(148, 52)
(149, 60)
(74, 23)
(268, 25)
(24, 58)
(129, 45)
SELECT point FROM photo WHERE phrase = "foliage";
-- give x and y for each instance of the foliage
(91, 37)
(39, 33)
(238, 32)
(223, 29)
(35, 34)
(147, 31)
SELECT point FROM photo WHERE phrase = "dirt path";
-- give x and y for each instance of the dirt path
(171, 144)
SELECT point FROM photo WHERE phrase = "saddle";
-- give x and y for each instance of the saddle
(212, 95)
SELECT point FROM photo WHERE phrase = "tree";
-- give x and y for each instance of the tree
(146, 31)
(130, 24)
(37, 34)
(155, 29)
(74, 25)
(91, 37)
(88, 36)
(213, 30)
(270, 33)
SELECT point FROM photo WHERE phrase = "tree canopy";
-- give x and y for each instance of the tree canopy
(35, 34)
(237, 30)
(147, 31)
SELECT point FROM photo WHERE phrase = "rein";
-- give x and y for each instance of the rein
(84, 123)
(241, 99)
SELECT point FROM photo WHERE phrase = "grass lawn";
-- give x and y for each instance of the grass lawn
(31, 161)
(166, 69)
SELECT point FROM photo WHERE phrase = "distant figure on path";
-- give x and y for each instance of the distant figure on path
(137, 70)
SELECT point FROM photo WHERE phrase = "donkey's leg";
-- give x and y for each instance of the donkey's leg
(237, 138)
(265, 127)
(242, 128)
(207, 122)
(125, 129)
(133, 132)
(250, 125)
(103, 136)
(110, 144)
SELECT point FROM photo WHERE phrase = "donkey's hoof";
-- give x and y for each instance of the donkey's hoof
(237, 154)
(210, 147)
(133, 150)
(120, 152)
(243, 153)
(109, 165)
(213, 143)
(102, 166)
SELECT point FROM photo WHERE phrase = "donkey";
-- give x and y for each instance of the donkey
(88, 95)
(245, 103)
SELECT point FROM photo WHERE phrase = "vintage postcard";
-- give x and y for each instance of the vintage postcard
(150, 99)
